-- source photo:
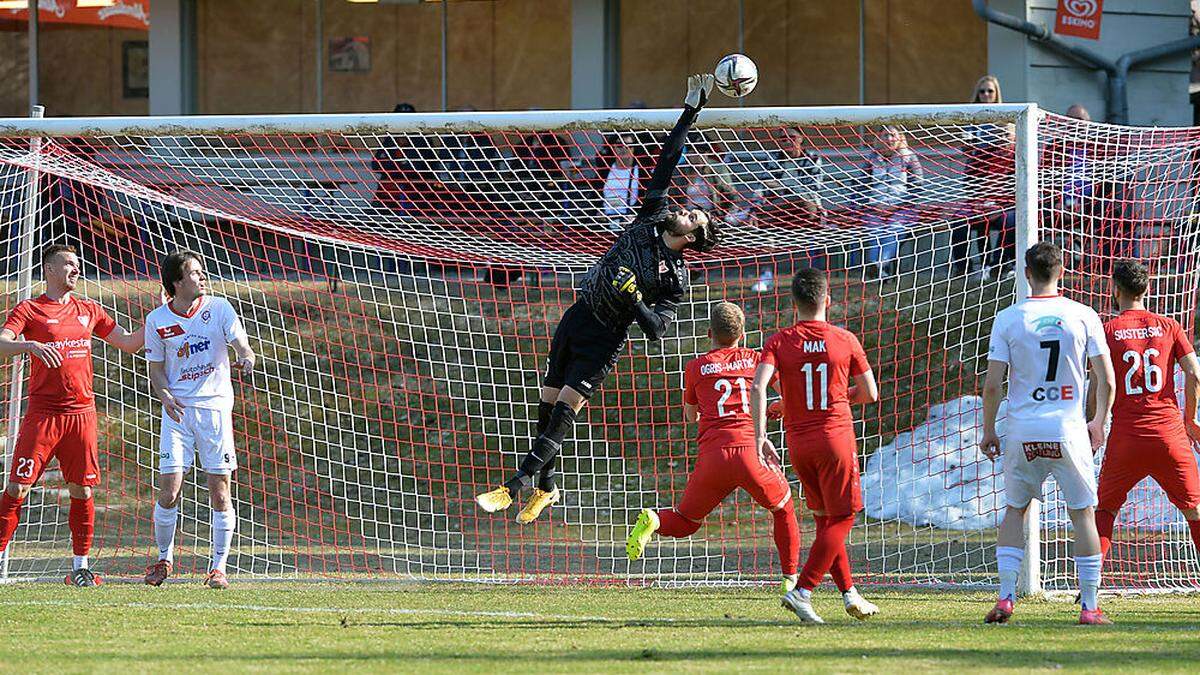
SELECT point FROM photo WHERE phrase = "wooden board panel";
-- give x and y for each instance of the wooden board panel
(533, 54)
(251, 57)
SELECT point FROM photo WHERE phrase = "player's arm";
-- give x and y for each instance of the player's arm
(130, 343)
(654, 321)
(699, 87)
(865, 389)
(993, 393)
(1191, 392)
(245, 355)
(758, 401)
(1102, 369)
(10, 346)
(691, 412)
(159, 385)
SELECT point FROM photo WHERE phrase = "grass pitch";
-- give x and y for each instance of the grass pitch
(467, 628)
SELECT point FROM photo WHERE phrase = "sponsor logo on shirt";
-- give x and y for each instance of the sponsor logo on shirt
(1047, 322)
(188, 348)
(167, 332)
(83, 319)
(197, 372)
(1046, 449)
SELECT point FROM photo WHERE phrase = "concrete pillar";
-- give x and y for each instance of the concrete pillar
(593, 54)
(167, 61)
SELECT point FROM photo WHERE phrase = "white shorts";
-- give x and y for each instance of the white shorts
(1028, 461)
(202, 431)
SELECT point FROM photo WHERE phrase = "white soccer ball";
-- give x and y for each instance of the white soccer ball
(736, 75)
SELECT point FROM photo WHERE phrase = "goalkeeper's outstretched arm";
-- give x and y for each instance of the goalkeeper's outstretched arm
(699, 87)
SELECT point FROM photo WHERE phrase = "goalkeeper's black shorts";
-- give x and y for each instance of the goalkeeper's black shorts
(583, 351)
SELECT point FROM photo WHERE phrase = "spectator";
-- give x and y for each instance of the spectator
(797, 176)
(622, 177)
(989, 158)
(403, 168)
(708, 187)
(542, 158)
(892, 173)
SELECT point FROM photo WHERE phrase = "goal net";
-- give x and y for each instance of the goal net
(400, 277)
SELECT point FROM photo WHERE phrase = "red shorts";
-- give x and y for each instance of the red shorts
(1129, 459)
(827, 465)
(70, 438)
(720, 471)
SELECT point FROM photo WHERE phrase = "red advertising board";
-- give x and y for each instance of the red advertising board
(121, 14)
(1079, 18)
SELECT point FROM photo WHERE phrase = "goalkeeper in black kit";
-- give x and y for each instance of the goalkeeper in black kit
(642, 278)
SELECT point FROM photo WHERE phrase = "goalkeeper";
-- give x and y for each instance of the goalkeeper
(642, 278)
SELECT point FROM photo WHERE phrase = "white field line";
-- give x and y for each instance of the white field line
(322, 610)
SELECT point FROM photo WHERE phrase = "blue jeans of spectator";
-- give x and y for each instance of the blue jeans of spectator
(886, 230)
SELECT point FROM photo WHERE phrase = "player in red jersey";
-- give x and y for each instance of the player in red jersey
(716, 394)
(1148, 437)
(815, 361)
(60, 420)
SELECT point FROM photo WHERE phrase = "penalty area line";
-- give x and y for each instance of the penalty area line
(400, 611)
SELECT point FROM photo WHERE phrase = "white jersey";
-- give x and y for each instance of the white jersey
(193, 350)
(1046, 342)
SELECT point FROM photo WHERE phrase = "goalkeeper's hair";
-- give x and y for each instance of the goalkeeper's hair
(809, 286)
(727, 323)
(1044, 260)
(53, 250)
(1132, 277)
(171, 269)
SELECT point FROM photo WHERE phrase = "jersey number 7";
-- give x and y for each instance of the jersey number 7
(1052, 362)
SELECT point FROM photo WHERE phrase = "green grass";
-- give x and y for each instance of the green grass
(444, 628)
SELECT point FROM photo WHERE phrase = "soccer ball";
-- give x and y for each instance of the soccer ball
(736, 75)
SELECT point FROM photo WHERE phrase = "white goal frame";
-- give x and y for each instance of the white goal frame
(1025, 117)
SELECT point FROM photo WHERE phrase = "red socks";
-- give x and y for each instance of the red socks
(841, 564)
(787, 538)
(10, 513)
(671, 524)
(1194, 527)
(1104, 526)
(82, 519)
(826, 548)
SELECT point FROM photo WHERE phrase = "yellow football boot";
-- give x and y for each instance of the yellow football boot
(536, 504)
(494, 500)
(639, 536)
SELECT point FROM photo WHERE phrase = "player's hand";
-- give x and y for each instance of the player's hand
(1193, 431)
(47, 354)
(699, 87)
(775, 410)
(769, 457)
(172, 407)
(989, 445)
(244, 365)
(1096, 434)
(626, 283)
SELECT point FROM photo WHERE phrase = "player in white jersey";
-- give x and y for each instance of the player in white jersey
(1044, 345)
(190, 372)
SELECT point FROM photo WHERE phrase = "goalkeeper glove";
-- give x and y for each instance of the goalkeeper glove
(626, 282)
(698, 89)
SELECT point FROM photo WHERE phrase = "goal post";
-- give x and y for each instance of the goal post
(400, 276)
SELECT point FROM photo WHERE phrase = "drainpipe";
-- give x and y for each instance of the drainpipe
(1116, 98)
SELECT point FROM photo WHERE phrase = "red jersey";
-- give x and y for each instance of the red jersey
(718, 383)
(1145, 347)
(815, 360)
(69, 327)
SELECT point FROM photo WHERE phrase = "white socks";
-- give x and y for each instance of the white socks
(1088, 569)
(164, 531)
(80, 563)
(223, 525)
(1008, 562)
